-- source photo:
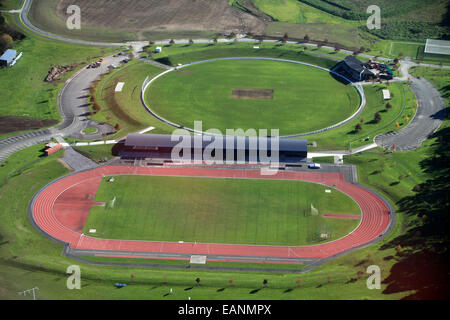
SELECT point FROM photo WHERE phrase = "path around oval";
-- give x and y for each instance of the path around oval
(60, 209)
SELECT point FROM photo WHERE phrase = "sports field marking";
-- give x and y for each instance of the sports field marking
(119, 86)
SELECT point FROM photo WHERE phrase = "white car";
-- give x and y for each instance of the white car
(314, 166)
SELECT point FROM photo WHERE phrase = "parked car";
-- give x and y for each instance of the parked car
(314, 166)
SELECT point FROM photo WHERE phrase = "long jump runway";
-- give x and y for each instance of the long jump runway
(61, 209)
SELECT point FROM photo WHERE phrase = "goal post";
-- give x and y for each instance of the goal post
(313, 210)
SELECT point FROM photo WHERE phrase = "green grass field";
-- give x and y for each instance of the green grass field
(217, 210)
(304, 98)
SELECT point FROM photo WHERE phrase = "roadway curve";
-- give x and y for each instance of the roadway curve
(73, 107)
(429, 117)
(48, 212)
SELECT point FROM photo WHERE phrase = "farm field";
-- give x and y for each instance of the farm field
(143, 19)
(304, 98)
(206, 210)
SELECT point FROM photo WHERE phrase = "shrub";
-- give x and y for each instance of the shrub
(377, 118)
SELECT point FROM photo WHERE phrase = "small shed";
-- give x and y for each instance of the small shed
(386, 95)
(158, 50)
(8, 58)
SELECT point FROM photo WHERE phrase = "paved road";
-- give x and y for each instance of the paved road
(429, 117)
(73, 106)
(73, 103)
(11, 145)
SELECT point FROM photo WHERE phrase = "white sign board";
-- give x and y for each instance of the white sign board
(198, 260)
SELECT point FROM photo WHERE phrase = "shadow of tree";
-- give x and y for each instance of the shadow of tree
(424, 268)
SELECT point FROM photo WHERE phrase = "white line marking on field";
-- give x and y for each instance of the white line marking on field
(146, 130)
(119, 86)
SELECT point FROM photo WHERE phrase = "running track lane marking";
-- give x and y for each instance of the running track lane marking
(375, 215)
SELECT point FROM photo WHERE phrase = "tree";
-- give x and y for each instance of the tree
(362, 49)
(377, 118)
(358, 127)
(197, 281)
(388, 106)
(117, 126)
(306, 38)
(6, 41)
(299, 282)
(151, 42)
(285, 38)
(265, 282)
(191, 41)
(172, 41)
(231, 283)
(215, 40)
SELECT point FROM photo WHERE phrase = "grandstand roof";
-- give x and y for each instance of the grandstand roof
(165, 141)
(437, 47)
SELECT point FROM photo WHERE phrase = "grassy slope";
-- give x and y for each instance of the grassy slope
(300, 102)
(125, 107)
(184, 54)
(217, 211)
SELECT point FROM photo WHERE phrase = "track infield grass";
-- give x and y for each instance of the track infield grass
(304, 98)
(218, 210)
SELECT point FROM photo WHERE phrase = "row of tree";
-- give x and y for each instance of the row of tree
(8, 34)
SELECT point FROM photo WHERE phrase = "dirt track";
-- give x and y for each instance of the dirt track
(164, 15)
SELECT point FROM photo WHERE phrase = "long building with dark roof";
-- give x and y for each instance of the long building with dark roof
(156, 146)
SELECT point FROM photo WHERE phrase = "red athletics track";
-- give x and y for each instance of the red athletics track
(77, 191)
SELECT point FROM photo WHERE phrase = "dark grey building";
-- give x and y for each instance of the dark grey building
(7, 58)
(354, 69)
(155, 146)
